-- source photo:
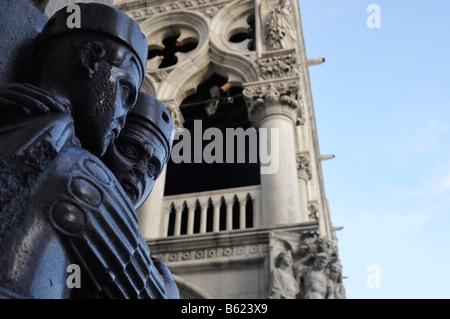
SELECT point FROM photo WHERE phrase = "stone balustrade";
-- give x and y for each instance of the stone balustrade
(212, 211)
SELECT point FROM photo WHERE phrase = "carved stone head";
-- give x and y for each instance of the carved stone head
(335, 272)
(96, 69)
(139, 154)
(284, 259)
(321, 261)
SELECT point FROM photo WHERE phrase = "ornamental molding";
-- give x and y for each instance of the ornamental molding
(252, 242)
(279, 64)
(143, 9)
(212, 253)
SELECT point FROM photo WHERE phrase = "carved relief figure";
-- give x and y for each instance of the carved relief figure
(313, 279)
(138, 156)
(59, 203)
(280, 26)
(284, 285)
(337, 287)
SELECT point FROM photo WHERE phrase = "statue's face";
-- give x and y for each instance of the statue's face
(321, 262)
(334, 273)
(100, 104)
(136, 159)
(287, 258)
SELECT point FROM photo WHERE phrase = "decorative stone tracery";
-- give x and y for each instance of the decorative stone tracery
(278, 64)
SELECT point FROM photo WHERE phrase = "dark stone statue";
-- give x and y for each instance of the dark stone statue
(139, 154)
(59, 203)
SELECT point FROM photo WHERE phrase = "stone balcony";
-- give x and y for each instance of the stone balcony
(212, 211)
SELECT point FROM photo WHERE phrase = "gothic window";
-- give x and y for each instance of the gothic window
(197, 213)
(236, 208)
(166, 55)
(229, 112)
(243, 34)
(184, 219)
(223, 215)
(209, 217)
(172, 215)
(249, 212)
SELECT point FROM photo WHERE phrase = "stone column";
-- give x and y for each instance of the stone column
(150, 212)
(242, 213)
(274, 106)
(256, 211)
(190, 221)
(229, 217)
(203, 215)
(304, 175)
(177, 226)
(216, 216)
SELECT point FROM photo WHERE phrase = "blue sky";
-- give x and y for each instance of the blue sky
(382, 103)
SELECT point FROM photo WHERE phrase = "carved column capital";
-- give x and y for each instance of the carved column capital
(175, 112)
(274, 98)
(303, 167)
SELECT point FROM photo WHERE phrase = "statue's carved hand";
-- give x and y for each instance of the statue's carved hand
(29, 99)
(170, 285)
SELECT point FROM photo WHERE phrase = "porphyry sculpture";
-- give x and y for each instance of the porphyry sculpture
(59, 203)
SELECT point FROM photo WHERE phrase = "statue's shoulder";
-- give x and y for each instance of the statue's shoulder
(50, 130)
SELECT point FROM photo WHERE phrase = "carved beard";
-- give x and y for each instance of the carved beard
(93, 110)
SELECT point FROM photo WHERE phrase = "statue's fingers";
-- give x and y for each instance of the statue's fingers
(162, 268)
(33, 87)
(39, 94)
(4, 102)
(26, 101)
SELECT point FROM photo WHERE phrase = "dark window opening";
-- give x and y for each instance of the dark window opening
(236, 213)
(229, 111)
(184, 220)
(169, 48)
(171, 229)
(249, 212)
(248, 34)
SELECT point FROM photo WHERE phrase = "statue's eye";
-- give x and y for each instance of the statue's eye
(153, 167)
(152, 170)
(128, 150)
(125, 93)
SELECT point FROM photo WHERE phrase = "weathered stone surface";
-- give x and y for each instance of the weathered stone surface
(20, 22)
